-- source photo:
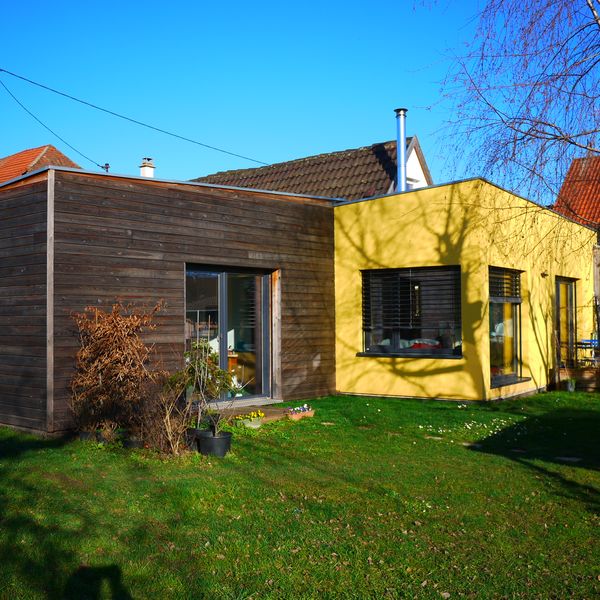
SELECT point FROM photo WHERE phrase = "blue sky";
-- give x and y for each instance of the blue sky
(270, 80)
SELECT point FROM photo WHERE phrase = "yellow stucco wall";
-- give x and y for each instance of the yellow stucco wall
(475, 225)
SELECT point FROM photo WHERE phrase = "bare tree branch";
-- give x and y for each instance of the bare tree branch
(590, 3)
(526, 94)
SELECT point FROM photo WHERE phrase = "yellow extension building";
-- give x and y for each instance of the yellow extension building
(460, 291)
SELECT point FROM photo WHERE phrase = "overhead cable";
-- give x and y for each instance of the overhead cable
(48, 128)
(131, 120)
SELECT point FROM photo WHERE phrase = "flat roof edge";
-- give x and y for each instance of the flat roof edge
(195, 184)
(467, 180)
(333, 201)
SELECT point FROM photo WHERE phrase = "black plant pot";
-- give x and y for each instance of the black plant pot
(133, 443)
(190, 438)
(213, 445)
(87, 436)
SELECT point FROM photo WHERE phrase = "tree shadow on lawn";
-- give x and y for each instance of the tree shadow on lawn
(13, 444)
(87, 582)
(36, 537)
(564, 437)
(320, 474)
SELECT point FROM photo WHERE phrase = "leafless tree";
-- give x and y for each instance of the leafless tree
(526, 95)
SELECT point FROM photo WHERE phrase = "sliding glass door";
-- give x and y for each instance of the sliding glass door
(231, 308)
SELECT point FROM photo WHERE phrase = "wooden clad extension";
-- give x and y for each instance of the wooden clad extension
(131, 239)
(23, 236)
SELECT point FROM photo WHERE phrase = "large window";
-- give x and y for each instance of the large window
(505, 326)
(230, 309)
(412, 312)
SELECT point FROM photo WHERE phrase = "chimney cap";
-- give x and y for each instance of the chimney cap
(400, 111)
(147, 167)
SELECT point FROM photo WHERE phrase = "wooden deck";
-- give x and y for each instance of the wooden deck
(587, 379)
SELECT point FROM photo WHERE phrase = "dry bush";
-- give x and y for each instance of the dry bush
(113, 371)
(164, 418)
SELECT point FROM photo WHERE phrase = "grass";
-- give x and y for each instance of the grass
(372, 498)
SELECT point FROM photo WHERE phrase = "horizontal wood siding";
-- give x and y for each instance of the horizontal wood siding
(118, 238)
(23, 224)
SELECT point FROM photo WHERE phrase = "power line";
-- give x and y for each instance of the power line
(120, 116)
(46, 126)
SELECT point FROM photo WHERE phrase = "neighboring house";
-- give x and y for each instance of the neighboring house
(450, 291)
(349, 174)
(579, 199)
(31, 160)
(579, 196)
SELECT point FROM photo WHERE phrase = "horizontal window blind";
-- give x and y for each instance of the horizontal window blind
(411, 308)
(505, 285)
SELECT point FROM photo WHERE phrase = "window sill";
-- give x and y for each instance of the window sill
(409, 355)
(503, 381)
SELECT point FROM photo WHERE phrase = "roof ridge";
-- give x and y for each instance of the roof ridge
(311, 158)
(31, 159)
(43, 149)
(12, 156)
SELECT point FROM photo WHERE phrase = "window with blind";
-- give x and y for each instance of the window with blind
(412, 312)
(505, 326)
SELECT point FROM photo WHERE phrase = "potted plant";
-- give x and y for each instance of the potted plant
(570, 384)
(203, 382)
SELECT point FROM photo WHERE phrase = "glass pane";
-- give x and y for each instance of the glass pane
(412, 311)
(202, 307)
(502, 339)
(244, 326)
(566, 320)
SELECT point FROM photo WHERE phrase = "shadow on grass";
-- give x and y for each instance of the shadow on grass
(558, 437)
(13, 444)
(30, 551)
(36, 539)
(87, 582)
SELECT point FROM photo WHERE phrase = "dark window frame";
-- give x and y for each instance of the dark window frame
(399, 305)
(571, 310)
(505, 288)
(221, 274)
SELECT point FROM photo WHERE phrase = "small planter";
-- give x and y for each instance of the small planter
(102, 438)
(296, 416)
(570, 385)
(252, 423)
(133, 443)
(87, 436)
(213, 445)
(190, 438)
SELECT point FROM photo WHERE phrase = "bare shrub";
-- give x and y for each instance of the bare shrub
(164, 418)
(112, 368)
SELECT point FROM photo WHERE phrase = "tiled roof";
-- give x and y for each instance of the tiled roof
(579, 196)
(26, 161)
(349, 174)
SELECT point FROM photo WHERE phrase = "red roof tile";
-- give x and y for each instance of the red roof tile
(349, 174)
(579, 196)
(26, 161)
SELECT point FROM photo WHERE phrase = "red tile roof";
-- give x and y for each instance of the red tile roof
(349, 174)
(26, 161)
(579, 196)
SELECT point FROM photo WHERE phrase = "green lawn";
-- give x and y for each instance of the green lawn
(372, 498)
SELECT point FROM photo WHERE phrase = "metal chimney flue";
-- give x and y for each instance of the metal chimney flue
(401, 149)
(147, 167)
